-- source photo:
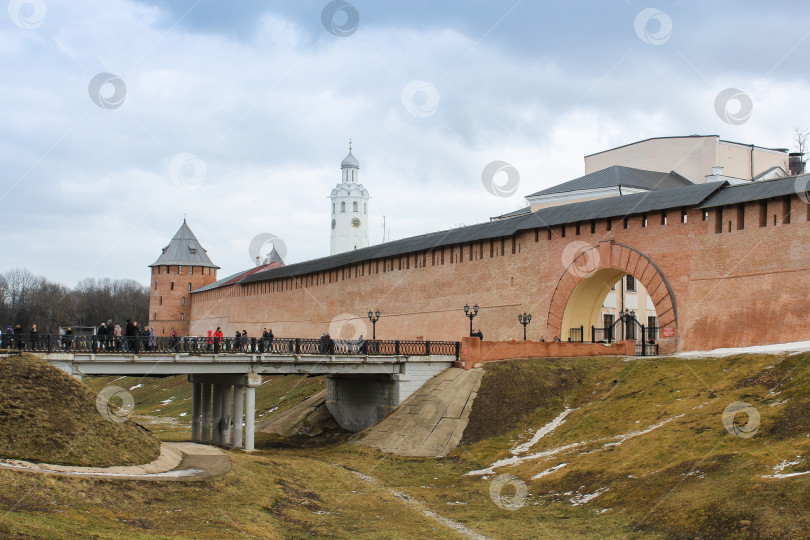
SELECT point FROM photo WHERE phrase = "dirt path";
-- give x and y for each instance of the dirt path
(177, 461)
(419, 506)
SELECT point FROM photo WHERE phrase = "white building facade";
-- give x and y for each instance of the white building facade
(349, 209)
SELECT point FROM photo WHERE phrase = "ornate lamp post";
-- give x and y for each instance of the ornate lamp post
(374, 317)
(471, 314)
(524, 320)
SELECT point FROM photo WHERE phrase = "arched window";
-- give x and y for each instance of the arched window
(192, 270)
(354, 206)
(333, 208)
(189, 285)
(171, 286)
(183, 301)
(156, 285)
(365, 208)
(179, 269)
(342, 206)
(182, 316)
(160, 301)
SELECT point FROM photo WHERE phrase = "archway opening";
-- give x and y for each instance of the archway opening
(597, 302)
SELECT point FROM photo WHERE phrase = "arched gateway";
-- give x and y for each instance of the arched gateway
(588, 278)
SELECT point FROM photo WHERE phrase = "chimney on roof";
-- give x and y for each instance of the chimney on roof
(795, 163)
(258, 260)
(717, 174)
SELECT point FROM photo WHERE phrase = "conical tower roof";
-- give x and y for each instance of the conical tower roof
(184, 249)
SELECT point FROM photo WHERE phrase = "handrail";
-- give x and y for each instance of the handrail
(144, 345)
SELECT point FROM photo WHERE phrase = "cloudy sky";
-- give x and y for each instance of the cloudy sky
(120, 117)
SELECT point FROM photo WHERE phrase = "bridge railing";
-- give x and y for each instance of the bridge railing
(143, 344)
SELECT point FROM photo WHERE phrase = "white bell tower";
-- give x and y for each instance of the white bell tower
(349, 209)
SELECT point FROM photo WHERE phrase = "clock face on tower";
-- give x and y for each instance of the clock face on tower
(355, 222)
(334, 223)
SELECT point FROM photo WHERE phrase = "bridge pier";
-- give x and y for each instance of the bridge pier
(216, 426)
(206, 413)
(196, 398)
(238, 414)
(358, 401)
(233, 399)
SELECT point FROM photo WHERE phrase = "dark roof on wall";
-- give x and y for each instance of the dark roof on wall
(757, 191)
(696, 195)
(514, 213)
(616, 176)
(184, 249)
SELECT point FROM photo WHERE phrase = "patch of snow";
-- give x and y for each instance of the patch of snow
(777, 470)
(548, 471)
(136, 386)
(779, 402)
(794, 347)
(579, 500)
(183, 413)
(542, 432)
(167, 401)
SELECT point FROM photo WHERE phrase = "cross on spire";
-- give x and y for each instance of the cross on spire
(350, 145)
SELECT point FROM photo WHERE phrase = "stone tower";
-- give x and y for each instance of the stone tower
(182, 267)
(349, 209)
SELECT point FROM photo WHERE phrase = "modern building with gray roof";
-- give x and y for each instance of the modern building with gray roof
(184, 250)
(618, 177)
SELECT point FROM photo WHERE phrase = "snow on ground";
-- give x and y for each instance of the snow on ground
(579, 500)
(548, 471)
(167, 401)
(606, 442)
(777, 470)
(136, 386)
(795, 347)
(542, 432)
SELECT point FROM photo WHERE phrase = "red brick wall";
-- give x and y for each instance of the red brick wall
(474, 351)
(735, 288)
(167, 305)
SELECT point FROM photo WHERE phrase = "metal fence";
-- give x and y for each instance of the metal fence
(230, 345)
(645, 336)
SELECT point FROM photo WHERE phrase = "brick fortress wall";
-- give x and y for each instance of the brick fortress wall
(735, 283)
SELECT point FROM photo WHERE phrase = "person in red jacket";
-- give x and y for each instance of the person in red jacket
(210, 340)
(217, 339)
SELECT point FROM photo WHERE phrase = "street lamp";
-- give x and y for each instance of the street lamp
(471, 314)
(374, 317)
(524, 320)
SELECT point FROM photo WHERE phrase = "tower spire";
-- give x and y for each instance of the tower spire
(350, 145)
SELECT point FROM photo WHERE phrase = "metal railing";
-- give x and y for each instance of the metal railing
(144, 344)
(645, 336)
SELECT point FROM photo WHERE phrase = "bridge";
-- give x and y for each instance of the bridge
(365, 380)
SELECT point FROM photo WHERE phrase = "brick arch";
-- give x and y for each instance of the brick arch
(625, 260)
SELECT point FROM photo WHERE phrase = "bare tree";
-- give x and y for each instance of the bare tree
(800, 140)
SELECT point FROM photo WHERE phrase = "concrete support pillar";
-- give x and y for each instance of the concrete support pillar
(216, 427)
(205, 436)
(250, 417)
(238, 414)
(227, 412)
(196, 398)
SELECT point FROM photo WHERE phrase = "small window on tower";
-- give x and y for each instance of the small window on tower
(171, 286)
(182, 316)
(354, 206)
(365, 208)
(189, 285)
(333, 208)
(343, 206)
(183, 301)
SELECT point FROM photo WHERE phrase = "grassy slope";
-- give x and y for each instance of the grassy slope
(47, 416)
(687, 478)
